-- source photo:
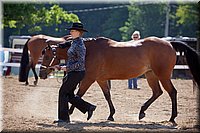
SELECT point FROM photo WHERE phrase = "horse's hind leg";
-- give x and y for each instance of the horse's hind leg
(106, 91)
(154, 84)
(168, 86)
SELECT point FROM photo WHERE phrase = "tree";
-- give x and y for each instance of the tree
(114, 21)
(149, 19)
(98, 21)
(34, 16)
(187, 19)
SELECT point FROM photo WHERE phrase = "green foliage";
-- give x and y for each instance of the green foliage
(117, 24)
(101, 22)
(34, 16)
(150, 19)
(146, 18)
(187, 16)
(112, 24)
(14, 15)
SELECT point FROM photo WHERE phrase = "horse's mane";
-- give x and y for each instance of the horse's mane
(69, 37)
(96, 38)
(89, 40)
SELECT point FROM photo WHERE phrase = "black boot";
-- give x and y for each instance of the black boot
(90, 111)
(60, 121)
(83, 106)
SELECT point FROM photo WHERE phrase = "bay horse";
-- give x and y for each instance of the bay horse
(35, 45)
(107, 59)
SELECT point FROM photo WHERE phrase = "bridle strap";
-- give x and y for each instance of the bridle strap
(43, 66)
(54, 57)
(52, 60)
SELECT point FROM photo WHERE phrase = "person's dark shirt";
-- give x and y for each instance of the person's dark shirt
(76, 55)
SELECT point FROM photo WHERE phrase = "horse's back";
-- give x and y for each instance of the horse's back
(122, 60)
(38, 42)
(112, 58)
(45, 37)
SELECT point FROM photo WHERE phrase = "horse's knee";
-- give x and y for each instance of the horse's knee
(158, 93)
(155, 95)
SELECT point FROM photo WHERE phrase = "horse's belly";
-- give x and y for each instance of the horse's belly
(122, 73)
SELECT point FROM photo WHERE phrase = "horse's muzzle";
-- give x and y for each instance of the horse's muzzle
(43, 74)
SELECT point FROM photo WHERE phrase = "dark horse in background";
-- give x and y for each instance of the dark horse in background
(35, 45)
(107, 59)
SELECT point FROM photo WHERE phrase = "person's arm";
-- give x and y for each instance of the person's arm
(64, 44)
(59, 67)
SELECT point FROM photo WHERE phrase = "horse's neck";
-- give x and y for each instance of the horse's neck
(62, 53)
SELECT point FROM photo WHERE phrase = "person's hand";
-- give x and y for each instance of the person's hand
(64, 68)
(56, 67)
(48, 40)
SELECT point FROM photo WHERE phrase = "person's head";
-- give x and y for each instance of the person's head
(136, 35)
(77, 30)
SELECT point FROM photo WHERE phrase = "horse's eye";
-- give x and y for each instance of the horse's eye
(43, 51)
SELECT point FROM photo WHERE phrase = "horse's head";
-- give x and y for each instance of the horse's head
(49, 59)
(51, 56)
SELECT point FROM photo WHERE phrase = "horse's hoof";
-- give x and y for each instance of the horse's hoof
(26, 83)
(173, 122)
(110, 118)
(35, 82)
(141, 115)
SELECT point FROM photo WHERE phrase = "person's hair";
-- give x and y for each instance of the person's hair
(136, 33)
(81, 32)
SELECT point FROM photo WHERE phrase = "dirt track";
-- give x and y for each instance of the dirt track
(29, 108)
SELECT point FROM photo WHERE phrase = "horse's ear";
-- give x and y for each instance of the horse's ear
(49, 47)
(43, 51)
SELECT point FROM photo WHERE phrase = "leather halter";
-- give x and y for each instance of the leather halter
(53, 49)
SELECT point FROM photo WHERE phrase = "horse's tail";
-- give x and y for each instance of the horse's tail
(23, 73)
(192, 57)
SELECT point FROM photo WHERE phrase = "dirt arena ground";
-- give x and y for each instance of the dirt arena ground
(33, 109)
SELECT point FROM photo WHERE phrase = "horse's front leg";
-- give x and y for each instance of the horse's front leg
(35, 75)
(27, 73)
(106, 91)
